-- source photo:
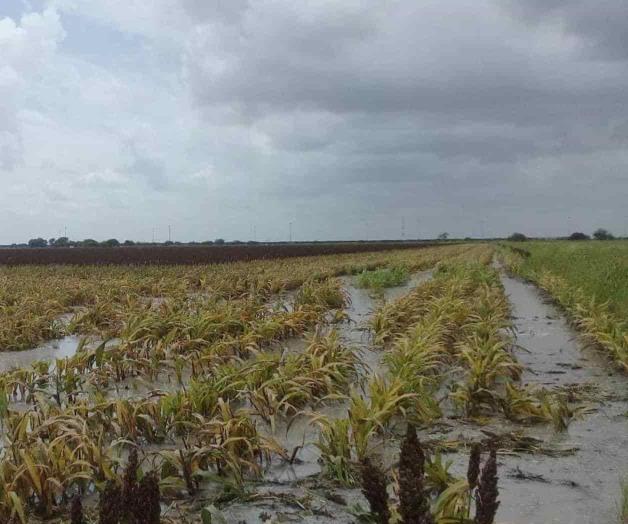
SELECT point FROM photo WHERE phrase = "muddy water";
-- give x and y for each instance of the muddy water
(64, 347)
(582, 488)
(363, 304)
(305, 504)
(48, 352)
(300, 436)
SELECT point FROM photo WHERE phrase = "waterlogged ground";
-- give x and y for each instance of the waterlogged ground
(47, 352)
(294, 492)
(572, 478)
(300, 432)
(576, 489)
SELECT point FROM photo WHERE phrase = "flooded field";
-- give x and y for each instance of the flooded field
(263, 402)
(573, 478)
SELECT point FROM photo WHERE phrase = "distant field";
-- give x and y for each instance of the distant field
(599, 268)
(169, 255)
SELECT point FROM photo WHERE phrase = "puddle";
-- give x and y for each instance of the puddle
(363, 304)
(64, 347)
(303, 504)
(300, 436)
(49, 352)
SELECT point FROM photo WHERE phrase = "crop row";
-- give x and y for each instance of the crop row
(33, 298)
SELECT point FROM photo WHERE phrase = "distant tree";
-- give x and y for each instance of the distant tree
(61, 242)
(89, 242)
(128, 243)
(602, 234)
(207, 242)
(443, 236)
(112, 242)
(219, 241)
(518, 237)
(579, 236)
(168, 243)
(37, 242)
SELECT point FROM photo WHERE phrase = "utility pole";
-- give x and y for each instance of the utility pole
(153, 235)
(403, 228)
(290, 231)
(169, 234)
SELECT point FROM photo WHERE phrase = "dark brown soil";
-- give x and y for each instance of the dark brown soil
(171, 255)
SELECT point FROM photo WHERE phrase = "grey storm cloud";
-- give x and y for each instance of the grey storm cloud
(390, 62)
(229, 112)
(603, 25)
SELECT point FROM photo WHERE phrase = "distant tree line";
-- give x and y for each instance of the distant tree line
(66, 242)
(40, 242)
(598, 234)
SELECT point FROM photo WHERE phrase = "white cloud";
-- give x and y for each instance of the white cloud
(24, 48)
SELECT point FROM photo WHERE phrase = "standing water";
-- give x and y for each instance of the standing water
(582, 488)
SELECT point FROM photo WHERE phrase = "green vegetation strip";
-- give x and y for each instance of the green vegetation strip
(588, 279)
(383, 278)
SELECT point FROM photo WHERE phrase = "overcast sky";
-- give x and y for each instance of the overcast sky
(223, 118)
